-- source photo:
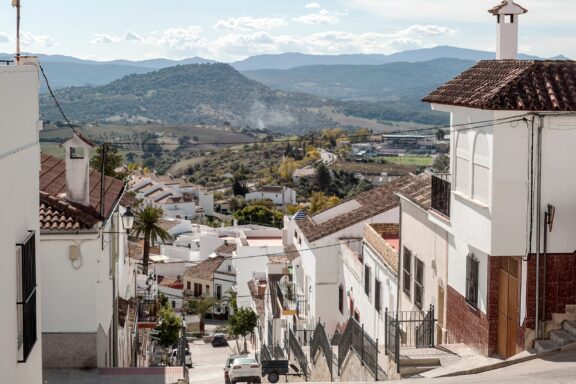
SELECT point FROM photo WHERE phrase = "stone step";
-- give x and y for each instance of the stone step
(571, 308)
(544, 345)
(409, 371)
(561, 317)
(562, 337)
(570, 327)
(420, 362)
(550, 326)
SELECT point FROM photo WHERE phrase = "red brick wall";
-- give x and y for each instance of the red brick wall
(560, 285)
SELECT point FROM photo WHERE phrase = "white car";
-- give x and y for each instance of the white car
(245, 369)
(175, 361)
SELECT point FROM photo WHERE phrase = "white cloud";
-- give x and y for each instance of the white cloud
(4, 38)
(131, 36)
(101, 38)
(323, 16)
(313, 5)
(425, 30)
(28, 39)
(250, 23)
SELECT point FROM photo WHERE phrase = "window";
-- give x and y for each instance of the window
(472, 280)
(341, 299)
(207, 289)
(188, 285)
(407, 270)
(197, 290)
(173, 304)
(418, 282)
(367, 280)
(76, 153)
(229, 268)
(377, 295)
(26, 296)
(218, 291)
(481, 176)
(463, 163)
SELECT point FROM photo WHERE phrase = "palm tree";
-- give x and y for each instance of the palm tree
(200, 307)
(146, 222)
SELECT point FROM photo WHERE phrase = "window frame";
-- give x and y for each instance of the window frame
(341, 299)
(472, 280)
(26, 297)
(407, 273)
(218, 291)
(367, 280)
(377, 295)
(418, 285)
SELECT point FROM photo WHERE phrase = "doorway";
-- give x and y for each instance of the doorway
(508, 292)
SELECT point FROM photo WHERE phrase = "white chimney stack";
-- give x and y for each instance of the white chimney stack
(507, 14)
(77, 150)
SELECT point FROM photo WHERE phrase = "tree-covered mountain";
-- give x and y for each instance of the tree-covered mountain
(215, 94)
(407, 82)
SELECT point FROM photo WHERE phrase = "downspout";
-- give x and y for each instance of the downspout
(400, 254)
(545, 257)
(538, 222)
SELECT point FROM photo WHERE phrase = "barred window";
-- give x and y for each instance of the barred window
(377, 295)
(341, 299)
(407, 271)
(418, 282)
(26, 296)
(367, 280)
(472, 280)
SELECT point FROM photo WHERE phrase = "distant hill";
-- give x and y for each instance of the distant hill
(293, 60)
(214, 94)
(400, 81)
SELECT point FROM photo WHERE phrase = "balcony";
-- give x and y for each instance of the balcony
(441, 188)
(290, 303)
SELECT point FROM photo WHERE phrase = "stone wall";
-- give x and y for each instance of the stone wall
(353, 369)
(69, 350)
(320, 368)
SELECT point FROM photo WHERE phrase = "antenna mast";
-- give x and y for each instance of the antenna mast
(16, 3)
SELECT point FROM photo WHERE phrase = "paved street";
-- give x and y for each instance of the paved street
(208, 363)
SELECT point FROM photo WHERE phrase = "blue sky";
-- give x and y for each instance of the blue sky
(229, 30)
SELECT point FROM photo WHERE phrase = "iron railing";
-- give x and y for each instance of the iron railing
(270, 335)
(320, 342)
(441, 188)
(299, 354)
(265, 353)
(354, 338)
(26, 297)
(290, 303)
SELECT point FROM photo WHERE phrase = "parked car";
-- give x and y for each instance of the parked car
(219, 340)
(229, 360)
(245, 369)
(175, 361)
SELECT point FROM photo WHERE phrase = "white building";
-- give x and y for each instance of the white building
(83, 261)
(280, 196)
(511, 186)
(176, 197)
(328, 242)
(304, 174)
(20, 283)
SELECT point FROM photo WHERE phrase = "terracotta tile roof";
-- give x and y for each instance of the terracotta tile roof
(418, 190)
(291, 252)
(135, 250)
(369, 204)
(496, 10)
(170, 282)
(226, 249)
(258, 301)
(205, 270)
(53, 183)
(60, 214)
(512, 85)
(168, 224)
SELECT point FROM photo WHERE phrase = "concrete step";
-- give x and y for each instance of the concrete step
(561, 317)
(410, 371)
(550, 326)
(545, 345)
(562, 337)
(570, 327)
(571, 308)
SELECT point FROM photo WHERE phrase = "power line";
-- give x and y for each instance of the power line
(56, 100)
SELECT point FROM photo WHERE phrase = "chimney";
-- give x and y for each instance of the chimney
(507, 14)
(77, 152)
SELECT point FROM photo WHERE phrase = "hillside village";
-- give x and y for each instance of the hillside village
(318, 270)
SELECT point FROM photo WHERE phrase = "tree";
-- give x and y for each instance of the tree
(440, 134)
(238, 187)
(323, 177)
(242, 323)
(169, 329)
(441, 163)
(200, 307)
(230, 299)
(146, 222)
(258, 214)
(112, 160)
(287, 168)
(319, 202)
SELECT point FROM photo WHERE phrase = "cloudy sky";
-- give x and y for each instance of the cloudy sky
(229, 30)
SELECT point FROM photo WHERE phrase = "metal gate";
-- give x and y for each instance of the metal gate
(425, 331)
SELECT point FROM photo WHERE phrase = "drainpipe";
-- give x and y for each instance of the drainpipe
(538, 222)
(545, 257)
(400, 254)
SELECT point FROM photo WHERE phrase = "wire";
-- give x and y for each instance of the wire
(56, 100)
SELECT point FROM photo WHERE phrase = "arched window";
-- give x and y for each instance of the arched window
(481, 187)
(462, 165)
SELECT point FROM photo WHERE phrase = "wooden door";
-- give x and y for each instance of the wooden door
(508, 276)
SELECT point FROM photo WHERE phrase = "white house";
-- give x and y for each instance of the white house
(83, 260)
(306, 173)
(21, 282)
(511, 187)
(328, 242)
(280, 196)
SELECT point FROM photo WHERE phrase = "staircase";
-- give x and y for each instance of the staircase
(415, 366)
(561, 330)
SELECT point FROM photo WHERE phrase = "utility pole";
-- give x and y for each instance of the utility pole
(16, 4)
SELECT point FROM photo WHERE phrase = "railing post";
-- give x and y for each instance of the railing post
(386, 331)
(397, 345)
(362, 343)
(433, 325)
(377, 365)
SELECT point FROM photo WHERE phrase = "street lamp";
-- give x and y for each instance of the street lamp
(128, 219)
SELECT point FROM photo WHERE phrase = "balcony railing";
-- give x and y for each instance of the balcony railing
(290, 302)
(441, 187)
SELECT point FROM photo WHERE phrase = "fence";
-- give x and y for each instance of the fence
(299, 355)
(408, 329)
(320, 342)
(265, 353)
(355, 338)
